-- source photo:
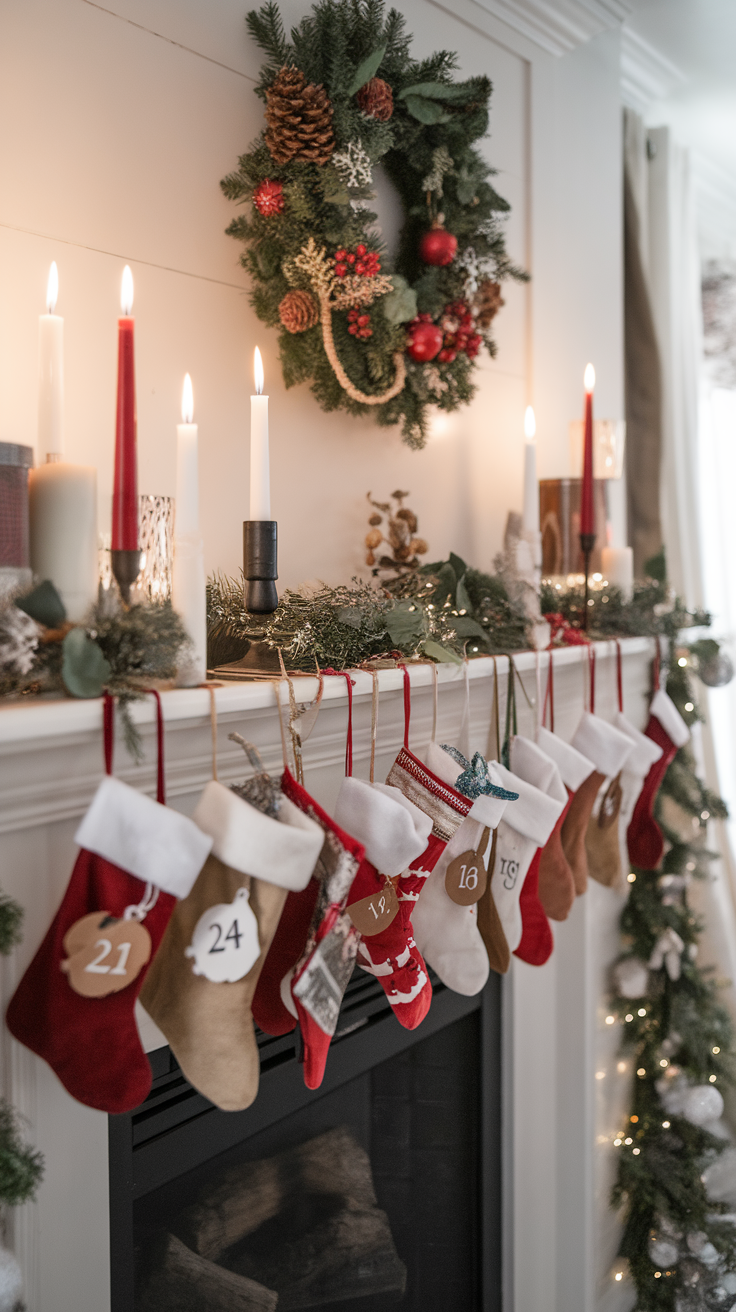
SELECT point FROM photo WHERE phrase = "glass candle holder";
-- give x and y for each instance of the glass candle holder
(15, 560)
(609, 443)
(156, 539)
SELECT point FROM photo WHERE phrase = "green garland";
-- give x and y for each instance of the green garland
(441, 611)
(21, 1168)
(423, 129)
(677, 1030)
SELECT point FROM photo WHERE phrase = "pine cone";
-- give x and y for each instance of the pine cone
(488, 302)
(376, 99)
(298, 311)
(299, 118)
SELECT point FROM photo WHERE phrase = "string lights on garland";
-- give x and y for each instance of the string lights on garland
(344, 95)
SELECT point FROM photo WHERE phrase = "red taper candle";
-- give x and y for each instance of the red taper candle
(587, 512)
(125, 486)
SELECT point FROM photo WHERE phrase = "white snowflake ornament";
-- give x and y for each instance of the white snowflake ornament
(225, 943)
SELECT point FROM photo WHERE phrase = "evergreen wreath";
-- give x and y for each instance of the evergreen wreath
(342, 95)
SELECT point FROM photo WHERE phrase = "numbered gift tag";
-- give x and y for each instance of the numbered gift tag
(372, 914)
(104, 955)
(225, 942)
(466, 876)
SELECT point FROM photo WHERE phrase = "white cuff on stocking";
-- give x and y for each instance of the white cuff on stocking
(573, 766)
(536, 767)
(646, 752)
(152, 842)
(604, 745)
(393, 831)
(282, 852)
(669, 717)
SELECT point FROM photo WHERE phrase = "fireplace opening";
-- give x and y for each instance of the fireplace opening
(379, 1191)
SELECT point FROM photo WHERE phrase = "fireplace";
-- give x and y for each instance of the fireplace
(379, 1191)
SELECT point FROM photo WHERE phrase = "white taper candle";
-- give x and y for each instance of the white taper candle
(260, 482)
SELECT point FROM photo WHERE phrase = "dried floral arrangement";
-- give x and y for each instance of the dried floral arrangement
(393, 527)
(343, 95)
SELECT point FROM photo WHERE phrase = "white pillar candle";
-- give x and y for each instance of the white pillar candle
(51, 374)
(62, 497)
(188, 584)
(530, 519)
(260, 483)
(617, 564)
(63, 524)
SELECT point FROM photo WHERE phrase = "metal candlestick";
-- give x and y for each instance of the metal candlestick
(126, 566)
(260, 570)
(587, 542)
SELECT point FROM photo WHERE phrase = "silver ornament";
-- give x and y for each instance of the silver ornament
(662, 1251)
(701, 1104)
(631, 977)
(716, 671)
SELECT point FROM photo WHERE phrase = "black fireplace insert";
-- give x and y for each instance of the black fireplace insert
(381, 1190)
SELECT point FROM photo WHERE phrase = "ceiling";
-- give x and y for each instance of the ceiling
(695, 94)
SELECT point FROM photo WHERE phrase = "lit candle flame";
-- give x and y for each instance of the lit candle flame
(52, 288)
(187, 401)
(530, 424)
(258, 371)
(126, 291)
(589, 378)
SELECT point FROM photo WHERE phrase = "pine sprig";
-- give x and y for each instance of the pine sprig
(11, 922)
(21, 1168)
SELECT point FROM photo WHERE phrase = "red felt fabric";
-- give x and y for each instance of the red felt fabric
(644, 836)
(91, 1043)
(536, 942)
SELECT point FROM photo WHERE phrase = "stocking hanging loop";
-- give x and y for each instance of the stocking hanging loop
(619, 677)
(591, 668)
(108, 738)
(549, 695)
(407, 705)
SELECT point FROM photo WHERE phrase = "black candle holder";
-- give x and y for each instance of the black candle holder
(587, 542)
(260, 565)
(260, 571)
(126, 566)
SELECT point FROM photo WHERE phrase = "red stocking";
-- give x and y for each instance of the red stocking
(137, 857)
(668, 730)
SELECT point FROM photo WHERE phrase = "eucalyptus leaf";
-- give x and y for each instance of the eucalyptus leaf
(437, 91)
(366, 70)
(405, 625)
(437, 652)
(400, 305)
(466, 627)
(462, 599)
(446, 585)
(84, 669)
(426, 111)
(458, 564)
(44, 605)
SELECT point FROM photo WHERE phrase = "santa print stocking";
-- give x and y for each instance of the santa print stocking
(75, 1003)
(668, 730)
(394, 957)
(531, 764)
(200, 986)
(447, 933)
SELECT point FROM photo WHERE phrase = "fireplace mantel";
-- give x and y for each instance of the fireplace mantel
(554, 1042)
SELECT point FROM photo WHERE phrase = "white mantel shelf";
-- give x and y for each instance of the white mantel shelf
(51, 762)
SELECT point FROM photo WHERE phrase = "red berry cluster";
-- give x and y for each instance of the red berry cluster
(458, 327)
(360, 261)
(358, 324)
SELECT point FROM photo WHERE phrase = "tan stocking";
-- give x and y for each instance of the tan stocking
(556, 883)
(575, 826)
(602, 840)
(489, 922)
(207, 1021)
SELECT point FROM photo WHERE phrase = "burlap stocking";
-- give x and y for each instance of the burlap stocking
(200, 987)
(556, 880)
(608, 749)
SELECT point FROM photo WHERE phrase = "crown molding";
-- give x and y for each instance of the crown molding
(646, 75)
(559, 26)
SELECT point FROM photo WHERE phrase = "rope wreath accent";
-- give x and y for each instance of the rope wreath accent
(353, 290)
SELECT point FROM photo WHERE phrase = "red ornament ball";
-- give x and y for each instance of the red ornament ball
(438, 246)
(425, 340)
(268, 198)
